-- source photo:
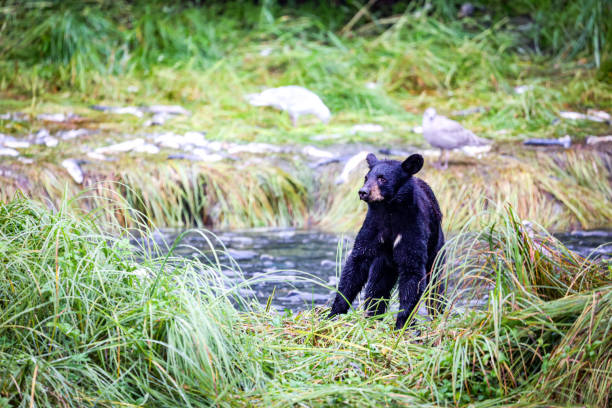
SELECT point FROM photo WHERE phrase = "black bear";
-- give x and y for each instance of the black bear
(399, 239)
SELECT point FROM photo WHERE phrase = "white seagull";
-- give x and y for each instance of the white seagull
(296, 100)
(446, 134)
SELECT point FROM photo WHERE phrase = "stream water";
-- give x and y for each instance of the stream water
(301, 268)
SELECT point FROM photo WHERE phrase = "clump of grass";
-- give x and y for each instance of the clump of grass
(178, 193)
(86, 321)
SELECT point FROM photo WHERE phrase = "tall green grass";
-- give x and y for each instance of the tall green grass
(66, 41)
(86, 319)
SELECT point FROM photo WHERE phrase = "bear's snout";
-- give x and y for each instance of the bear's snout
(370, 193)
(363, 194)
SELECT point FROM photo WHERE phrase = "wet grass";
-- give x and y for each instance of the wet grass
(85, 321)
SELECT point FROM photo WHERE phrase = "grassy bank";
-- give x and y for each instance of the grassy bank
(85, 321)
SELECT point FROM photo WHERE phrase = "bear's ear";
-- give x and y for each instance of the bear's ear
(372, 160)
(413, 164)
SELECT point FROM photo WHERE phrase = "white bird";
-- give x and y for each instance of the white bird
(296, 100)
(446, 134)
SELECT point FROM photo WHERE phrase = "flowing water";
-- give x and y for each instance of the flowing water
(301, 268)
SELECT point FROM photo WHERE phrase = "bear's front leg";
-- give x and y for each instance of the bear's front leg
(353, 277)
(382, 278)
(355, 272)
(411, 287)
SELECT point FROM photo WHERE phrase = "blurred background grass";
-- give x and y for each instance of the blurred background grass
(384, 62)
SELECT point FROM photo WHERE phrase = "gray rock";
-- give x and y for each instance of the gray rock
(366, 128)
(99, 156)
(241, 254)
(126, 110)
(184, 142)
(205, 156)
(595, 117)
(318, 153)
(44, 137)
(158, 119)
(594, 140)
(255, 148)
(56, 117)
(72, 134)
(599, 114)
(6, 151)
(11, 142)
(167, 110)
(564, 141)
(136, 145)
(14, 116)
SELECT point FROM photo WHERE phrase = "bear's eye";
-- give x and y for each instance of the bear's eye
(382, 180)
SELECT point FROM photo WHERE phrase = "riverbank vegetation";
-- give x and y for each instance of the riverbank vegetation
(87, 319)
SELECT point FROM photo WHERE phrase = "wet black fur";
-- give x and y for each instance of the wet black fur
(408, 207)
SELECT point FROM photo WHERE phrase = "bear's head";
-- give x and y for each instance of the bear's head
(386, 177)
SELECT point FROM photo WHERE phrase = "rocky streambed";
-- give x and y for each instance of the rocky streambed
(300, 269)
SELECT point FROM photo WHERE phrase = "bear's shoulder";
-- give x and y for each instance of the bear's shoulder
(423, 189)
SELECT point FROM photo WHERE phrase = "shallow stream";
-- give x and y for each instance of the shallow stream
(301, 268)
